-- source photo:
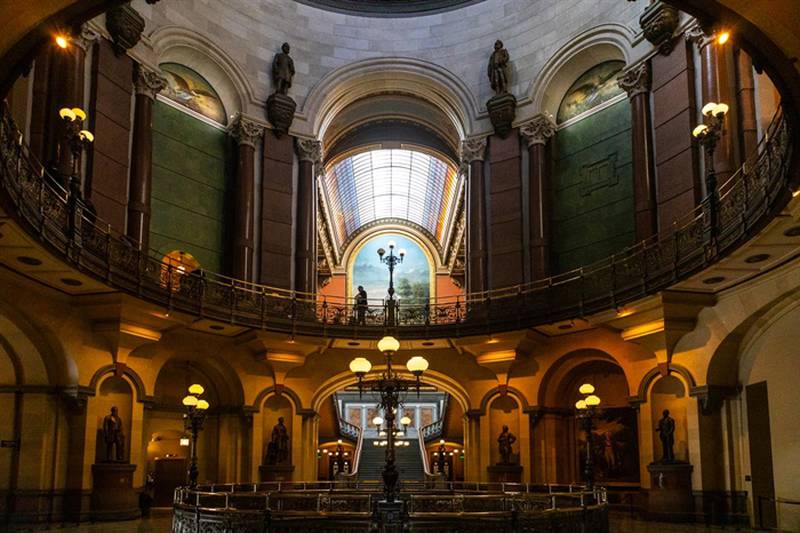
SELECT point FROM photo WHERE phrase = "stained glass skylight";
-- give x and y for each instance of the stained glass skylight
(399, 184)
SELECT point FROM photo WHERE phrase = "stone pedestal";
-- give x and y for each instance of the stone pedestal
(505, 473)
(670, 496)
(275, 472)
(390, 517)
(113, 497)
(280, 112)
(502, 110)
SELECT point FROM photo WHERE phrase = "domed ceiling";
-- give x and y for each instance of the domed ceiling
(388, 8)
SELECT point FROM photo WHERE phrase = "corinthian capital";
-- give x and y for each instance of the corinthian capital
(149, 82)
(538, 129)
(697, 35)
(473, 149)
(309, 150)
(245, 130)
(635, 80)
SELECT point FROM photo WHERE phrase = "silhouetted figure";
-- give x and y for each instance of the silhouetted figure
(666, 431)
(505, 440)
(361, 306)
(114, 437)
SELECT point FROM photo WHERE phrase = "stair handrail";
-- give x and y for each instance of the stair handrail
(346, 429)
(351, 476)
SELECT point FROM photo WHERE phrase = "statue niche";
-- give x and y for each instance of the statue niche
(276, 463)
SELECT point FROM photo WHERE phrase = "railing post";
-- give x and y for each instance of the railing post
(233, 301)
(263, 307)
(108, 252)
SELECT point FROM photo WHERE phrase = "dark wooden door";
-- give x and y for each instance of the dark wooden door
(760, 455)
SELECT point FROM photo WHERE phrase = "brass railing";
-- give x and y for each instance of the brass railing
(747, 200)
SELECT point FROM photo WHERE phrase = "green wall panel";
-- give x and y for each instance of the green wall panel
(190, 187)
(593, 204)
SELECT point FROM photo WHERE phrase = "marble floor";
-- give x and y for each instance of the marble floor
(160, 523)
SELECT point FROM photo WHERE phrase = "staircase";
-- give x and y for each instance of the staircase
(407, 459)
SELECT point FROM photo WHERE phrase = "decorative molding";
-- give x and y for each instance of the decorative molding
(659, 22)
(125, 25)
(635, 80)
(538, 129)
(86, 38)
(245, 131)
(309, 150)
(148, 82)
(473, 149)
(697, 35)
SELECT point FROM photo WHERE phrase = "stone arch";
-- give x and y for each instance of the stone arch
(137, 385)
(492, 394)
(562, 368)
(651, 377)
(268, 392)
(595, 45)
(223, 384)
(431, 377)
(361, 79)
(226, 76)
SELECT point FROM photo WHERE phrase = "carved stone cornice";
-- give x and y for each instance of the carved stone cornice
(148, 82)
(659, 22)
(697, 35)
(245, 131)
(309, 150)
(125, 25)
(538, 129)
(473, 149)
(635, 80)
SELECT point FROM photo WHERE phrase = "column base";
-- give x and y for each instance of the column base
(505, 473)
(113, 497)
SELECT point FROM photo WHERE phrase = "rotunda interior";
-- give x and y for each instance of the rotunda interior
(356, 265)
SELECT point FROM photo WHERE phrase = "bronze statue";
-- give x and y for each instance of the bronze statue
(505, 440)
(499, 70)
(114, 437)
(282, 70)
(278, 448)
(666, 431)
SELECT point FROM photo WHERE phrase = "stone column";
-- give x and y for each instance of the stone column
(537, 132)
(746, 92)
(305, 268)
(472, 154)
(636, 82)
(717, 85)
(147, 83)
(246, 132)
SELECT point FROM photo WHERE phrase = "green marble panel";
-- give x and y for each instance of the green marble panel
(190, 184)
(593, 203)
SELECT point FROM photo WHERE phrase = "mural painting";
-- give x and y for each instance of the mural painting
(190, 89)
(412, 278)
(592, 88)
(614, 446)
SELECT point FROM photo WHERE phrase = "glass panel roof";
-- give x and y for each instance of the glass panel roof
(401, 184)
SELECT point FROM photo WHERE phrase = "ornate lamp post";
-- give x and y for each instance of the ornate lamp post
(586, 410)
(76, 139)
(708, 134)
(193, 421)
(391, 261)
(389, 386)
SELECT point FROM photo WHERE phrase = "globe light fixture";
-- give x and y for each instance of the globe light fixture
(586, 388)
(377, 421)
(196, 389)
(388, 344)
(592, 401)
(405, 421)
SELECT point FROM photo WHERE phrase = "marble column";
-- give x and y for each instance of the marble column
(147, 84)
(246, 133)
(718, 85)
(472, 154)
(537, 132)
(636, 82)
(310, 153)
(746, 92)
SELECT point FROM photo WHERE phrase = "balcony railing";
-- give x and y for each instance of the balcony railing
(747, 200)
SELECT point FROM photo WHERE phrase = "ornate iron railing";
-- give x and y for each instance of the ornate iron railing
(747, 200)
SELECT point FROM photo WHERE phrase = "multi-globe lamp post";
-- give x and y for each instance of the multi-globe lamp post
(389, 385)
(193, 419)
(391, 260)
(708, 135)
(586, 408)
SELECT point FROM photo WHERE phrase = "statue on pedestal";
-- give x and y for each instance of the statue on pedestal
(502, 107)
(282, 70)
(499, 71)
(505, 440)
(114, 437)
(278, 448)
(666, 432)
(280, 106)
